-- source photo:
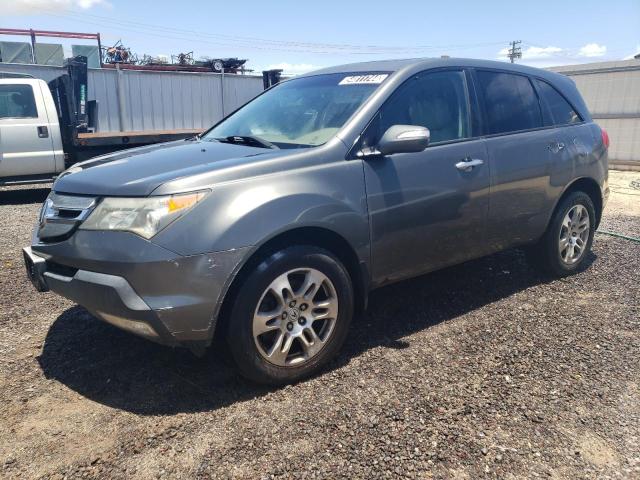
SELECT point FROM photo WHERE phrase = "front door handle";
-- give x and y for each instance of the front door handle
(43, 132)
(468, 163)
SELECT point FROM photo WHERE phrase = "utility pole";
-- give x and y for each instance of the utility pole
(222, 91)
(515, 51)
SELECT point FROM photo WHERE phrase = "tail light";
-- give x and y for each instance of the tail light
(605, 137)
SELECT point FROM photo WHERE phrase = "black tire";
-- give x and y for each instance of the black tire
(217, 65)
(244, 350)
(546, 254)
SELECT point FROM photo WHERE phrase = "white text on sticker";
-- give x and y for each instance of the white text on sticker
(363, 79)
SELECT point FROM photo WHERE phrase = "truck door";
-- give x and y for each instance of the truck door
(26, 148)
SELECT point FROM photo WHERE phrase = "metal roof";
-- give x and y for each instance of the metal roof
(598, 67)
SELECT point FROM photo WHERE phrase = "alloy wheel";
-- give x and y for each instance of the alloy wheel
(295, 317)
(574, 234)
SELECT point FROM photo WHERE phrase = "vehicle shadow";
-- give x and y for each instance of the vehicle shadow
(123, 371)
(23, 196)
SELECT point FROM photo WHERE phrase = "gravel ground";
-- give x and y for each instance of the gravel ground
(482, 370)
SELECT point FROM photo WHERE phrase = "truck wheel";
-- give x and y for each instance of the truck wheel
(291, 315)
(217, 66)
(566, 243)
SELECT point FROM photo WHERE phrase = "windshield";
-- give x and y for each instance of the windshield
(303, 112)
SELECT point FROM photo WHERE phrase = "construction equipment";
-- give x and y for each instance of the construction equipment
(118, 53)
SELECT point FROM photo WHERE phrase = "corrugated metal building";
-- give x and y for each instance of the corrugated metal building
(134, 100)
(612, 93)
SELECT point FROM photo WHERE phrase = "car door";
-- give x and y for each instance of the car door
(574, 136)
(522, 149)
(25, 140)
(427, 209)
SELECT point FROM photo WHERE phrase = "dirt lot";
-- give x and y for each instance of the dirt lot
(482, 370)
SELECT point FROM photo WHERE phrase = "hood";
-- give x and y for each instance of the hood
(139, 171)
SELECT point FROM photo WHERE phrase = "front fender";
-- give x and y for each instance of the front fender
(248, 212)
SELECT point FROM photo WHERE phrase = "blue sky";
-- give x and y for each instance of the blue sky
(302, 35)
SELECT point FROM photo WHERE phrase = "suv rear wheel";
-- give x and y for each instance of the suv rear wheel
(566, 243)
(291, 316)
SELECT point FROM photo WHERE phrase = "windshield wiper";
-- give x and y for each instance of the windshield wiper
(248, 140)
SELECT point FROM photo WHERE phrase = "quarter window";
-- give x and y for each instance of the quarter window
(510, 102)
(17, 101)
(436, 100)
(562, 113)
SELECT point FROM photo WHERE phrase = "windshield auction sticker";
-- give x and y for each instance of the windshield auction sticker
(363, 79)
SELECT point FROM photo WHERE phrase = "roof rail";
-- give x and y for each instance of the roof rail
(15, 75)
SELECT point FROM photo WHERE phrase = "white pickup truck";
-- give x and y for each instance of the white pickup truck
(30, 140)
(46, 127)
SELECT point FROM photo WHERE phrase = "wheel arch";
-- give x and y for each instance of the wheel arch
(315, 236)
(587, 185)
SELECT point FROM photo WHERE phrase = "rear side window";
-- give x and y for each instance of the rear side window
(562, 113)
(17, 101)
(436, 100)
(510, 101)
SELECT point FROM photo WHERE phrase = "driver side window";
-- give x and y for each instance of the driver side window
(436, 100)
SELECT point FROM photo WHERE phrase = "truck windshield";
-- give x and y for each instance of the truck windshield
(303, 112)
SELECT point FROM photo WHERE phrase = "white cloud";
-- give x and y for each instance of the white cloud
(592, 50)
(35, 7)
(88, 3)
(293, 68)
(551, 56)
(538, 56)
(535, 53)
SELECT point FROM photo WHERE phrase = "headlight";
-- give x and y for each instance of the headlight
(48, 203)
(143, 216)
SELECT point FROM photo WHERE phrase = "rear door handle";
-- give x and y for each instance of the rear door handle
(43, 132)
(468, 163)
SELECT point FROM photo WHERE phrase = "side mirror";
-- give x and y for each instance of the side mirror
(404, 139)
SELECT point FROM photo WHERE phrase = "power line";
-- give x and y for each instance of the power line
(259, 43)
(515, 51)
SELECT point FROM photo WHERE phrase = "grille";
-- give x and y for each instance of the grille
(62, 214)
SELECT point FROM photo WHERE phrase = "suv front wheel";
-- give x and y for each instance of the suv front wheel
(291, 315)
(565, 245)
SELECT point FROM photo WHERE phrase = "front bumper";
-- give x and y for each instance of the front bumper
(108, 297)
(135, 284)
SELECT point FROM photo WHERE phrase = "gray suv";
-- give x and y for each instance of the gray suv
(270, 229)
